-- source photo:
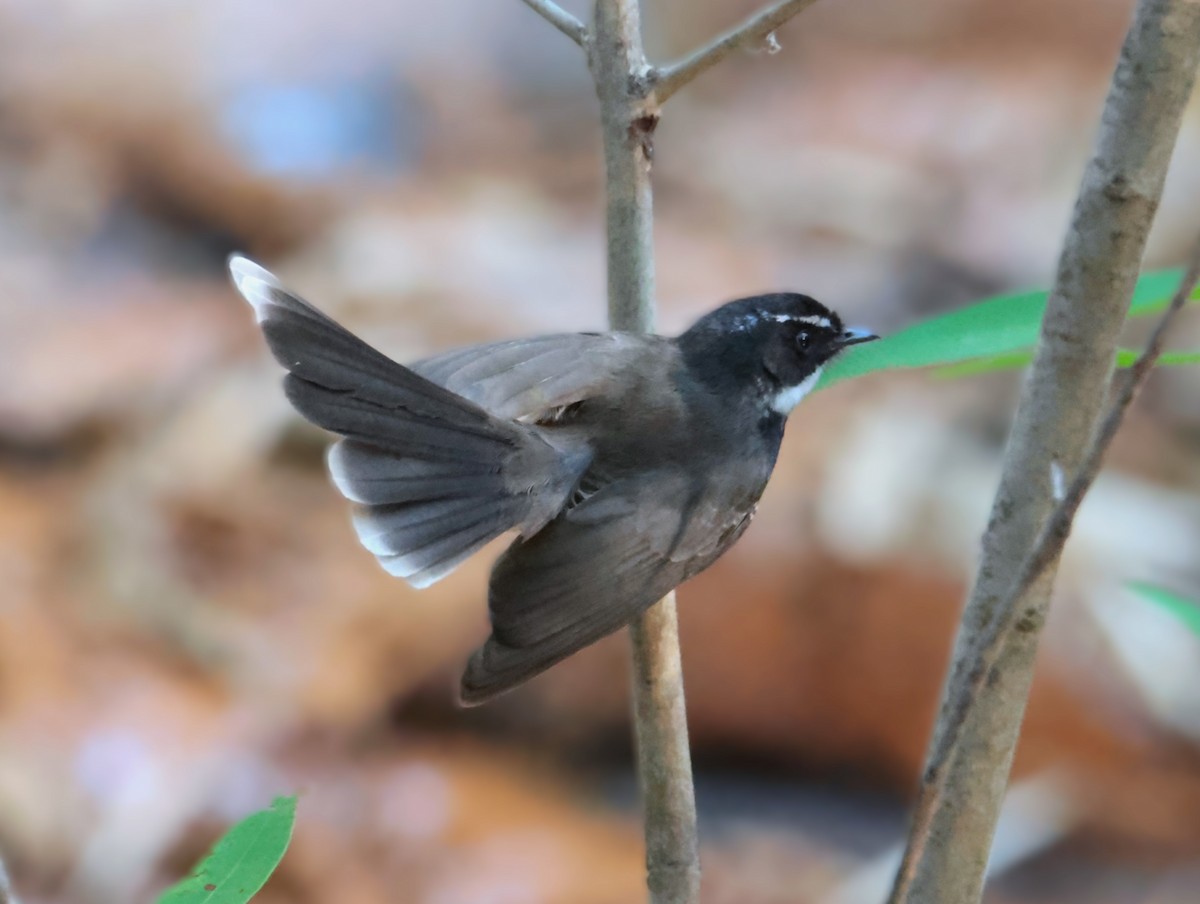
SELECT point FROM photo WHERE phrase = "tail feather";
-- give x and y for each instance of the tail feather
(368, 474)
(433, 476)
(388, 530)
(430, 554)
(398, 429)
(421, 518)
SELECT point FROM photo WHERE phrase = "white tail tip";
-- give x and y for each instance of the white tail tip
(255, 283)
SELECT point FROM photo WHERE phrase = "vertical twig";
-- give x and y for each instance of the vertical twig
(627, 122)
(628, 117)
(6, 894)
(630, 92)
(983, 703)
(664, 760)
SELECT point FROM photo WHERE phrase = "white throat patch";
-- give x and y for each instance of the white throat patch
(789, 398)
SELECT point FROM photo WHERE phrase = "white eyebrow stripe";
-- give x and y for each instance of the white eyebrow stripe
(811, 319)
(751, 320)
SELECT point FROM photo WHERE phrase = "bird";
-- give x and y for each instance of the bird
(626, 463)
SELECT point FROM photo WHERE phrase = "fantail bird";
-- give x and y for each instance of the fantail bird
(626, 463)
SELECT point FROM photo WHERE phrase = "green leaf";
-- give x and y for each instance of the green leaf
(1011, 361)
(1126, 357)
(998, 327)
(242, 861)
(1187, 611)
(1017, 360)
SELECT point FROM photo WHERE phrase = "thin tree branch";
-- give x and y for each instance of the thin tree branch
(560, 19)
(755, 30)
(6, 893)
(628, 118)
(1048, 546)
(1053, 536)
(1059, 429)
(627, 122)
(664, 760)
(1126, 385)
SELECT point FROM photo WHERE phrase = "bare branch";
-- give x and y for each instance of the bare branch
(664, 760)
(6, 893)
(1059, 429)
(627, 119)
(619, 69)
(560, 19)
(757, 29)
(1126, 386)
(1047, 548)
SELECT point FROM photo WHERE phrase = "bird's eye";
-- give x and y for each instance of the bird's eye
(803, 340)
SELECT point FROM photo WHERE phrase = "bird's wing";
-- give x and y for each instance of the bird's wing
(530, 379)
(591, 572)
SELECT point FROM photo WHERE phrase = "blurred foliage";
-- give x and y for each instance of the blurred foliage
(242, 861)
(1187, 611)
(995, 334)
(1016, 360)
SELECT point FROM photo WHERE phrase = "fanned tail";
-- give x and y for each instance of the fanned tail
(433, 477)
(420, 516)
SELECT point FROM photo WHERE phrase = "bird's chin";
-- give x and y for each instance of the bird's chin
(787, 399)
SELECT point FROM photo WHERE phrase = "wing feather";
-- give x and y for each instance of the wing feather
(527, 379)
(589, 573)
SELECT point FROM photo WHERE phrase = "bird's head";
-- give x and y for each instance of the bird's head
(775, 345)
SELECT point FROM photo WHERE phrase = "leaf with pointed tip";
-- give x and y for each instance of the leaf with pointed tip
(1000, 329)
(241, 862)
(1017, 360)
(1187, 611)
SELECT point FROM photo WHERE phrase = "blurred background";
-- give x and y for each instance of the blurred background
(188, 627)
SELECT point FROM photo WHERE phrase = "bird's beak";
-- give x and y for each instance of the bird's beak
(857, 335)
